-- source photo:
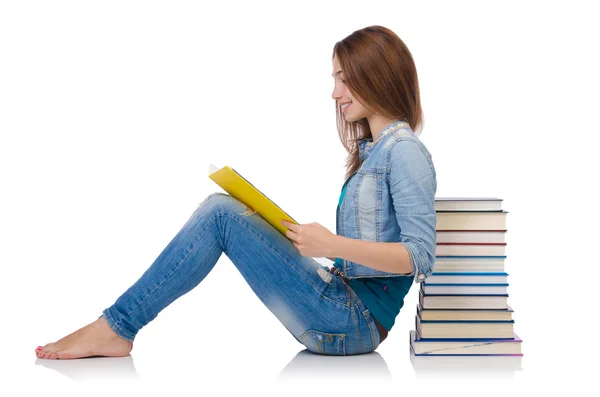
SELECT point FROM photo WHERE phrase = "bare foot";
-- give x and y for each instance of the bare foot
(95, 339)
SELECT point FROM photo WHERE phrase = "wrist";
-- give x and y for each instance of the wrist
(334, 246)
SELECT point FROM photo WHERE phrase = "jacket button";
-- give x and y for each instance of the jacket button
(421, 276)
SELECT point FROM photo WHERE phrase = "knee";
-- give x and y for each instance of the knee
(223, 202)
(215, 196)
(213, 199)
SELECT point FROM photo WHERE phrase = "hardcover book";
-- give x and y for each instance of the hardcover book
(467, 278)
(471, 220)
(463, 301)
(464, 289)
(465, 347)
(470, 249)
(464, 314)
(464, 329)
(471, 236)
(469, 264)
(468, 204)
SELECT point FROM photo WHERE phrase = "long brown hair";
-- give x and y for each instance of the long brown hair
(379, 68)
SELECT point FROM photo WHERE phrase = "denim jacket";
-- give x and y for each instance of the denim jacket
(391, 199)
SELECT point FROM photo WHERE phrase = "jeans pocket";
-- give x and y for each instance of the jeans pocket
(324, 343)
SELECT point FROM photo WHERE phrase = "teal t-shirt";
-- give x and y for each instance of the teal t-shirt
(383, 296)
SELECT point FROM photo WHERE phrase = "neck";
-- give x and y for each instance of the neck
(377, 124)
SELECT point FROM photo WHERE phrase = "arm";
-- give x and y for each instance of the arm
(387, 257)
(412, 188)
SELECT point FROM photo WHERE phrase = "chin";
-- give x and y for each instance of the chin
(349, 118)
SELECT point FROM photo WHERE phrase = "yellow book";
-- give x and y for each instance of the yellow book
(238, 187)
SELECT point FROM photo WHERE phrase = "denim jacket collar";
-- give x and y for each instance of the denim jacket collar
(366, 145)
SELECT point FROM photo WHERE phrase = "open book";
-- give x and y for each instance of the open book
(238, 187)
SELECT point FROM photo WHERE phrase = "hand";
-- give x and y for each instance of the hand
(311, 239)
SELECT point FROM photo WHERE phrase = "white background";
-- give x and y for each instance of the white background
(110, 113)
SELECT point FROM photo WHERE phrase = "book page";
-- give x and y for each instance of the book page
(213, 168)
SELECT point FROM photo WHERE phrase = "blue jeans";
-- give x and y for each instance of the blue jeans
(318, 308)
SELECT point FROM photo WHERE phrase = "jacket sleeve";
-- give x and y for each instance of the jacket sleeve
(412, 186)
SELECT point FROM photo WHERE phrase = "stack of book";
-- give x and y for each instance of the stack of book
(463, 306)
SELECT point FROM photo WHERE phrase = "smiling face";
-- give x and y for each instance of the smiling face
(342, 95)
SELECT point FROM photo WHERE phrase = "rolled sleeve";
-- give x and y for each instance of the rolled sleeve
(412, 187)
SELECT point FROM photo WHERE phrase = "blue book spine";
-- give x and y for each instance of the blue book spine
(425, 294)
(466, 321)
(469, 274)
(466, 284)
(471, 257)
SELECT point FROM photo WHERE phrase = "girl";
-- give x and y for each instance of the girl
(385, 227)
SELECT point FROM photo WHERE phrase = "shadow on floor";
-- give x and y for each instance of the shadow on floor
(307, 364)
(93, 368)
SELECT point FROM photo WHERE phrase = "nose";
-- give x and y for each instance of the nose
(335, 95)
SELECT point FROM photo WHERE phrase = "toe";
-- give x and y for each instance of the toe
(50, 352)
(47, 348)
(44, 351)
(61, 355)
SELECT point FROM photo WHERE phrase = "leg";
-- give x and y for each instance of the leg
(319, 309)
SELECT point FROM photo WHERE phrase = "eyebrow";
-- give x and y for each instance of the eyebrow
(336, 73)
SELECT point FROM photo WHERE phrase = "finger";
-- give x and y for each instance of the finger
(290, 225)
(291, 235)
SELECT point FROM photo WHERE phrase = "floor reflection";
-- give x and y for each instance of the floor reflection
(494, 366)
(93, 368)
(307, 364)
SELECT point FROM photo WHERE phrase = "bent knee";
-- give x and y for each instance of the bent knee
(227, 203)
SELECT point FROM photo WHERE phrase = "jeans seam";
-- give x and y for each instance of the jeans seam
(113, 324)
(371, 325)
(283, 259)
(366, 318)
(356, 309)
(353, 312)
